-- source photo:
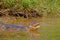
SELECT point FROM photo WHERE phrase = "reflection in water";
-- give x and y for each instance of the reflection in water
(34, 35)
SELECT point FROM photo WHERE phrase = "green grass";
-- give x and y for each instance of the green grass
(45, 6)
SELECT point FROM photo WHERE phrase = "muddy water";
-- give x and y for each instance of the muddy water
(47, 31)
(32, 35)
(24, 21)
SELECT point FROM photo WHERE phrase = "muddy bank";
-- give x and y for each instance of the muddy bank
(26, 13)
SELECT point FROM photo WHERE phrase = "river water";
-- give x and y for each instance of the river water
(49, 30)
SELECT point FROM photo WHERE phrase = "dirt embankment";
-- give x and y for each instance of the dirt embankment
(26, 13)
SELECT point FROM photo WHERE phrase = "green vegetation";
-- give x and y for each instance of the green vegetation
(46, 7)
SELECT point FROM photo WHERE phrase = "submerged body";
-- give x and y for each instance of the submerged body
(11, 26)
